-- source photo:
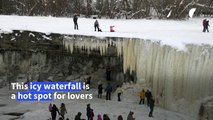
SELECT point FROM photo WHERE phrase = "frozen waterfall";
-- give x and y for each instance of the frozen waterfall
(13, 58)
(178, 79)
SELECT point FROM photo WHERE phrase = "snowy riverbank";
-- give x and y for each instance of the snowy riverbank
(170, 32)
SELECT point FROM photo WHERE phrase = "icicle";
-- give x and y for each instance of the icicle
(171, 74)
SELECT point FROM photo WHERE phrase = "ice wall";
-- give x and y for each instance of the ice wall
(10, 59)
(178, 79)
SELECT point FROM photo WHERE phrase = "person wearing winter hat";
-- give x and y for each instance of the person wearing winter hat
(99, 117)
(88, 112)
(120, 117)
(78, 116)
(130, 116)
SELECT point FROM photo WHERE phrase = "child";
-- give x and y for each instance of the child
(99, 117)
(112, 29)
(92, 114)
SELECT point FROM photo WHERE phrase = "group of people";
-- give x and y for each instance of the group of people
(108, 91)
(89, 113)
(149, 98)
(206, 25)
(96, 24)
(119, 91)
(54, 110)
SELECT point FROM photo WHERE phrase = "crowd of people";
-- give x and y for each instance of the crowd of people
(143, 95)
(89, 113)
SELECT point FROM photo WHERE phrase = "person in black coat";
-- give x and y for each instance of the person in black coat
(100, 90)
(130, 116)
(78, 116)
(105, 117)
(108, 73)
(96, 25)
(120, 117)
(88, 112)
(148, 95)
(54, 111)
(151, 105)
(207, 25)
(75, 20)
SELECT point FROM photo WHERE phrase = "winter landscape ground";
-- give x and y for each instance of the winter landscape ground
(170, 32)
(39, 110)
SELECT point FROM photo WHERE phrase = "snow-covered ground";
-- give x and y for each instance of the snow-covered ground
(39, 110)
(170, 32)
(174, 33)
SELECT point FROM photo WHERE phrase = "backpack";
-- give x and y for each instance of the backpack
(50, 107)
(204, 22)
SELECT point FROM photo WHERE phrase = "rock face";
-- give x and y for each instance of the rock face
(43, 57)
(206, 110)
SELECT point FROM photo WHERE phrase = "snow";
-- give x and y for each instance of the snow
(39, 110)
(170, 32)
(174, 33)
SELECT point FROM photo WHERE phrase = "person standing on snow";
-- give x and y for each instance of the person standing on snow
(88, 112)
(99, 117)
(119, 92)
(148, 95)
(100, 90)
(96, 25)
(91, 114)
(152, 104)
(75, 20)
(78, 116)
(105, 117)
(108, 91)
(120, 117)
(54, 111)
(142, 96)
(130, 116)
(112, 29)
(63, 110)
(108, 73)
(205, 25)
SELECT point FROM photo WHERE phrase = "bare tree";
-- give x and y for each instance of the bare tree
(109, 8)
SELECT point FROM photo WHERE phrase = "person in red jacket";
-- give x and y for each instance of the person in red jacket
(112, 29)
(99, 117)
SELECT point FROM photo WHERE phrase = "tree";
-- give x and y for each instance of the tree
(109, 8)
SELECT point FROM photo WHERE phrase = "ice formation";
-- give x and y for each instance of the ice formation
(174, 76)
(11, 58)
